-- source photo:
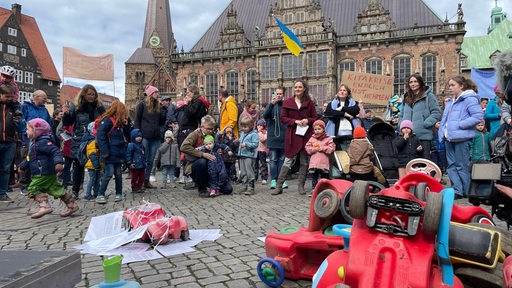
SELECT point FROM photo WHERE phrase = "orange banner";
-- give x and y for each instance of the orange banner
(370, 88)
(90, 67)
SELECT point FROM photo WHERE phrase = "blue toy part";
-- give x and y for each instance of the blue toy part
(442, 247)
(270, 272)
(343, 230)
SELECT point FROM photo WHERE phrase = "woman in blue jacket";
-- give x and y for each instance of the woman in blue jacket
(420, 106)
(112, 144)
(458, 125)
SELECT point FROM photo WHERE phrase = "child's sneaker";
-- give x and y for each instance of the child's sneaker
(273, 184)
(213, 193)
(263, 182)
(88, 197)
(285, 185)
(101, 200)
(118, 198)
(152, 178)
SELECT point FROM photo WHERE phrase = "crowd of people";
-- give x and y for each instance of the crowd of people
(229, 153)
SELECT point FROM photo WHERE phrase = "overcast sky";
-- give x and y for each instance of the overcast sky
(117, 26)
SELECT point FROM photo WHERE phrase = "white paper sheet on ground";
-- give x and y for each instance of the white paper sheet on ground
(128, 249)
(104, 225)
(205, 234)
(141, 256)
(105, 244)
(262, 239)
(176, 248)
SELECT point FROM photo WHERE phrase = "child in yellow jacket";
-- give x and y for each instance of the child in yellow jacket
(93, 164)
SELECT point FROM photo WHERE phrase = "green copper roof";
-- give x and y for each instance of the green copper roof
(479, 49)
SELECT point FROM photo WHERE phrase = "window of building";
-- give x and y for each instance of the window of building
(300, 3)
(292, 66)
(251, 84)
(12, 31)
(266, 94)
(269, 68)
(193, 79)
(11, 49)
(212, 87)
(23, 52)
(288, 18)
(317, 64)
(25, 96)
(318, 93)
(429, 71)
(299, 17)
(312, 30)
(347, 65)
(374, 66)
(140, 77)
(401, 72)
(50, 83)
(19, 76)
(287, 3)
(232, 83)
(29, 77)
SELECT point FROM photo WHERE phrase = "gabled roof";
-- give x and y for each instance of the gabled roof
(36, 42)
(141, 56)
(250, 13)
(479, 49)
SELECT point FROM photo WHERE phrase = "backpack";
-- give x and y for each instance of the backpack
(82, 152)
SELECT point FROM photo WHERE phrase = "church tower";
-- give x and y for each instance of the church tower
(150, 64)
(497, 16)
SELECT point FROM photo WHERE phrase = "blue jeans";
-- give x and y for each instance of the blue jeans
(112, 169)
(7, 152)
(168, 171)
(457, 157)
(94, 182)
(276, 162)
(150, 147)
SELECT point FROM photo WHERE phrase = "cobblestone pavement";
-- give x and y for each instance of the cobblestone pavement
(228, 262)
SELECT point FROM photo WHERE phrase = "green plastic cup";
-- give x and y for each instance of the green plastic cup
(112, 269)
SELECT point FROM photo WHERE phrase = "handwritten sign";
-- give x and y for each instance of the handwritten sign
(370, 88)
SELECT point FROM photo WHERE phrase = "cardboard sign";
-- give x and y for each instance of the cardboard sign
(369, 88)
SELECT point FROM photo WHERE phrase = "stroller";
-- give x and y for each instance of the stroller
(381, 135)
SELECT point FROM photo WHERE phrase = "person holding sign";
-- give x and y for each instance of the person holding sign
(420, 106)
(298, 114)
(341, 114)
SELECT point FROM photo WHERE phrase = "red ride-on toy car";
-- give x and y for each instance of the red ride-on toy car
(297, 252)
(161, 226)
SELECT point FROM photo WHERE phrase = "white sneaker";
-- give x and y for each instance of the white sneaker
(168, 181)
(152, 178)
(263, 182)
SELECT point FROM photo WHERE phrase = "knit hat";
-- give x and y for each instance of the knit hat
(40, 126)
(90, 128)
(406, 124)
(496, 89)
(209, 138)
(168, 134)
(150, 90)
(260, 122)
(359, 132)
(319, 123)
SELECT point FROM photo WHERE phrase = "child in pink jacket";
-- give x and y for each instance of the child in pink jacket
(319, 146)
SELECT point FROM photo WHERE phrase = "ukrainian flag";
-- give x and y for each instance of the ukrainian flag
(292, 42)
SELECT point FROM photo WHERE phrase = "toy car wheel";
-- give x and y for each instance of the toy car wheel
(358, 198)
(270, 272)
(432, 214)
(289, 229)
(479, 277)
(344, 205)
(506, 239)
(326, 203)
(184, 235)
(425, 166)
(482, 219)
(421, 191)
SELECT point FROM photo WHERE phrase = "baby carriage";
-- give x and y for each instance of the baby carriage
(381, 135)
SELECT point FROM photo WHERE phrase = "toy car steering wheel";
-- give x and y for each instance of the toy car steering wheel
(358, 186)
(425, 166)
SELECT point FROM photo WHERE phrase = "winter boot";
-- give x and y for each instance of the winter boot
(70, 204)
(303, 170)
(148, 185)
(280, 180)
(44, 206)
(250, 188)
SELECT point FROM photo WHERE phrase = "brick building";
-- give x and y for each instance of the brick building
(243, 50)
(22, 46)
